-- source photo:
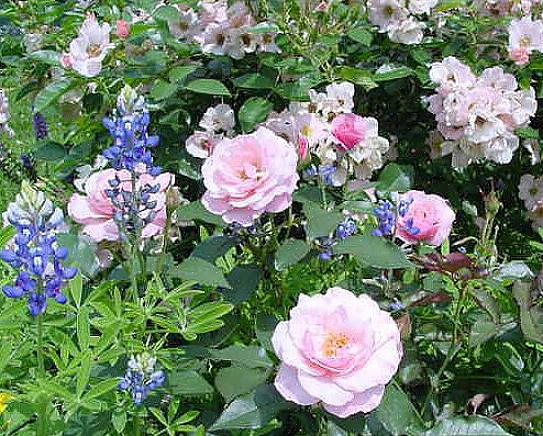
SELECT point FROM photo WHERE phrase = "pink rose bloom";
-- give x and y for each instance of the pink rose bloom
(249, 175)
(95, 211)
(428, 219)
(66, 60)
(525, 36)
(337, 349)
(450, 74)
(122, 29)
(349, 129)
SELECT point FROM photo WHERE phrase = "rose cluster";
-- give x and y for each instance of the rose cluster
(477, 116)
(398, 19)
(221, 30)
(344, 143)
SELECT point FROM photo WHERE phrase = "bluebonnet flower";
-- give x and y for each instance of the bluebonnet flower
(327, 172)
(346, 228)
(34, 251)
(40, 126)
(325, 248)
(311, 171)
(131, 140)
(396, 305)
(141, 378)
(386, 217)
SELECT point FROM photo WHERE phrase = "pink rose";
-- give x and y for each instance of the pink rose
(122, 29)
(338, 349)
(349, 129)
(95, 211)
(249, 175)
(520, 56)
(66, 60)
(428, 218)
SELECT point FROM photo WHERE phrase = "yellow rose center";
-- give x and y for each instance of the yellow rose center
(94, 50)
(333, 343)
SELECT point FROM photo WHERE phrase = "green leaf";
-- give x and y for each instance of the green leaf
(474, 425)
(52, 93)
(118, 419)
(396, 412)
(75, 287)
(162, 89)
(265, 326)
(358, 76)
(244, 281)
(50, 152)
(83, 374)
(482, 331)
(166, 13)
(50, 57)
(514, 270)
(530, 317)
(373, 251)
(253, 81)
(6, 233)
(361, 35)
(290, 252)
(203, 272)
(83, 328)
(395, 177)
(527, 132)
(254, 111)
(180, 73)
(214, 247)
(188, 383)
(320, 222)
(249, 356)
(251, 411)
(208, 86)
(101, 388)
(395, 73)
(197, 212)
(234, 381)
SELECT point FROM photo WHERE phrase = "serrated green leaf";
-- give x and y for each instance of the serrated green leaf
(474, 425)
(253, 111)
(253, 81)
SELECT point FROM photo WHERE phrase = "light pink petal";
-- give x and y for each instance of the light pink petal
(362, 402)
(325, 389)
(286, 382)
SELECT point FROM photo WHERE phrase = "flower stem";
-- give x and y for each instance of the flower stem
(39, 351)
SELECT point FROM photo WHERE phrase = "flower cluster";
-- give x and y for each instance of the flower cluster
(141, 378)
(345, 143)
(336, 349)
(477, 116)
(525, 37)
(220, 29)
(217, 123)
(397, 18)
(531, 192)
(34, 251)
(505, 8)
(39, 124)
(131, 140)
(89, 49)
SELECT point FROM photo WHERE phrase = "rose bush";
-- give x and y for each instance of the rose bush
(290, 217)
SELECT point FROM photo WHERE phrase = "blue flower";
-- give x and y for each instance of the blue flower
(141, 378)
(40, 126)
(386, 218)
(346, 228)
(35, 253)
(327, 172)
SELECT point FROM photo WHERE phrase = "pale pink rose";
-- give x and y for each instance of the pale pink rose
(249, 175)
(525, 36)
(122, 29)
(349, 130)
(337, 349)
(428, 219)
(95, 211)
(450, 74)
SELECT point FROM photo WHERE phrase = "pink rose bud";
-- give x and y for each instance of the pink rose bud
(66, 60)
(424, 218)
(520, 56)
(349, 130)
(123, 29)
(303, 147)
(337, 349)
